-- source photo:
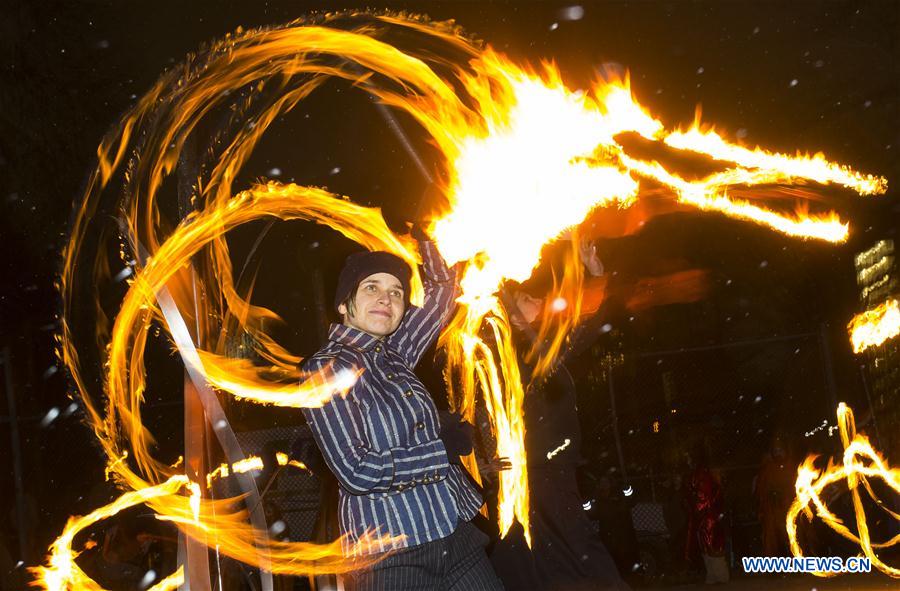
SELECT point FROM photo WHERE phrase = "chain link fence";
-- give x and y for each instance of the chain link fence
(646, 414)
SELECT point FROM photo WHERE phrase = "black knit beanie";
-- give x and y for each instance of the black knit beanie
(362, 264)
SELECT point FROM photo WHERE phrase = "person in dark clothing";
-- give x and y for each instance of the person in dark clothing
(566, 552)
(774, 488)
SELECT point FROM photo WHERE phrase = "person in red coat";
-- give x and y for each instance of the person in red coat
(706, 514)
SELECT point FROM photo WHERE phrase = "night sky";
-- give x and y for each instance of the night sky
(810, 76)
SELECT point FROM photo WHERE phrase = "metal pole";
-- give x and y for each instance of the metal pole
(828, 368)
(615, 423)
(826, 363)
(196, 567)
(865, 383)
(17, 456)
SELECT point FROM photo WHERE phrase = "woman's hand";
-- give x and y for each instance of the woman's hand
(587, 252)
(498, 464)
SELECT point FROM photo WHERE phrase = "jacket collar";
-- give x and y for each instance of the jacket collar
(353, 337)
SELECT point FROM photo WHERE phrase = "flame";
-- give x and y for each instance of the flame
(221, 471)
(860, 464)
(249, 464)
(525, 159)
(62, 573)
(802, 166)
(243, 380)
(543, 160)
(874, 327)
(284, 460)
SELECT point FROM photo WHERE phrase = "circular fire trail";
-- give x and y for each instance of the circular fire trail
(861, 466)
(514, 140)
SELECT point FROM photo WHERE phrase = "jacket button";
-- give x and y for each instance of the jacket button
(391, 376)
(408, 393)
(378, 348)
(420, 425)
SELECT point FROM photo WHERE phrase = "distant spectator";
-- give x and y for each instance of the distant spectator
(706, 507)
(774, 494)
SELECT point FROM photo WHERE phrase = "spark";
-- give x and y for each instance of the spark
(551, 454)
(815, 430)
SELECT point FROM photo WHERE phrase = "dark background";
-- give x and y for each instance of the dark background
(787, 76)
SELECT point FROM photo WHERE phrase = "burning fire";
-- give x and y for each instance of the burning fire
(250, 464)
(861, 464)
(62, 572)
(873, 327)
(525, 160)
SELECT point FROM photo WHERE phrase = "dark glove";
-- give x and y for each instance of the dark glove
(418, 232)
(456, 435)
(304, 449)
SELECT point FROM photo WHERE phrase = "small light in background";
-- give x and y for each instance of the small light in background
(571, 13)
(149, 577)
(50, 417)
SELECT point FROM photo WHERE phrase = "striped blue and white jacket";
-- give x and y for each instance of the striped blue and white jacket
(381, 440)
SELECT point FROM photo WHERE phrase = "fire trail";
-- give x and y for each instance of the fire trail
(524, 159)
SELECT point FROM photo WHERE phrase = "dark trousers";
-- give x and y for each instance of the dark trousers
(455, 563)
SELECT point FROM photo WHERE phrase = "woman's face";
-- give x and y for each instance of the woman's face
(378, 307)
(528, 308)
